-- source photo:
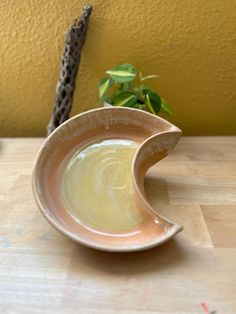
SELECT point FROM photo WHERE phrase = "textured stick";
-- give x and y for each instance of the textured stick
(70, 61)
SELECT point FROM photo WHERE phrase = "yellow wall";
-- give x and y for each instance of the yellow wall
(191, 44)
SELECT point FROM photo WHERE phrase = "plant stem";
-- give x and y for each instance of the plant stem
(122, 86)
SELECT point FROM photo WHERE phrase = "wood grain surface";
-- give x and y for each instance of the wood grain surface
(41, 271)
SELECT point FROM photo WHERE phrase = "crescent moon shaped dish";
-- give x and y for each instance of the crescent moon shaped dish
(88, 178)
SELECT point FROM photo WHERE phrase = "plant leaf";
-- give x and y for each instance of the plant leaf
(104, 84)
(139, 106)
(146, 89)
(165, 107)
(153, 102)
(149, 77)
(141, 91)
(121, 76)
(148, 104)
(127, 102)
(126, 99)
(126, 66)
(109, 99)
(123, 73)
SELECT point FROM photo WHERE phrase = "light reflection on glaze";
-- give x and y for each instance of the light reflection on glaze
(97, 186)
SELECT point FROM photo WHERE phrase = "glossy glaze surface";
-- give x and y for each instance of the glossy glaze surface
(97, 186)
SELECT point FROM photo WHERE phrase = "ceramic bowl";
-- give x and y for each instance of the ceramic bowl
(156, 138)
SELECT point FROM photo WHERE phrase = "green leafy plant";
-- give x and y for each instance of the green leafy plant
(125, 87)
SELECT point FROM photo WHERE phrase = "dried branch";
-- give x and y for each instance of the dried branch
(70, 61)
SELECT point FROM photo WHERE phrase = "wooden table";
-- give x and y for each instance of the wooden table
(41, 271)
